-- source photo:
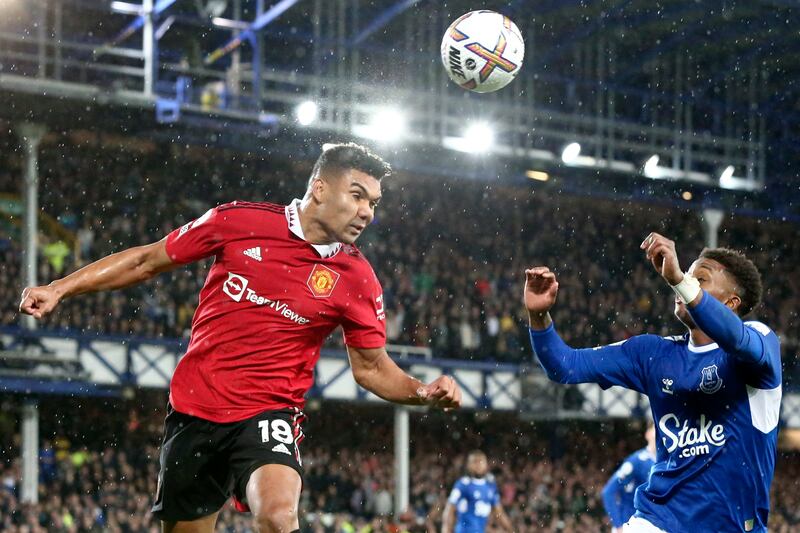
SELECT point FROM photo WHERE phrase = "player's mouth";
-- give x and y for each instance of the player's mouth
(358, 229)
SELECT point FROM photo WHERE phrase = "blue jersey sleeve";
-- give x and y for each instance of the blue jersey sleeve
(623, 363)
(612, 501)
(752, 343)
(456, 493)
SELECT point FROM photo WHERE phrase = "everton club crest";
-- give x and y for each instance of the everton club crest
(710, 381)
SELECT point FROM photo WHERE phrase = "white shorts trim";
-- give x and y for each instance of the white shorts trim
(640, 525)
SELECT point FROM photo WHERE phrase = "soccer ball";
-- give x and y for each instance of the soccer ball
(482, 51)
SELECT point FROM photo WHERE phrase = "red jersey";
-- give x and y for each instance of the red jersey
(268, 303)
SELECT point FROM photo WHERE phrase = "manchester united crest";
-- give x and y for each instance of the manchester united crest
(322, 281)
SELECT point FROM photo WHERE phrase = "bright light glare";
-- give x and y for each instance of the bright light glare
(479, 137)
(306, 112)
(727, 174)
(387, 125)
(571, 153)
(125, 7)
(651, 167)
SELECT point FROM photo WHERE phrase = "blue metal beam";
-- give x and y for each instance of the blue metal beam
(382, 20)
(250, 33)
(138, 22)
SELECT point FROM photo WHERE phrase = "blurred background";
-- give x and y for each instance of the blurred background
(121, 121)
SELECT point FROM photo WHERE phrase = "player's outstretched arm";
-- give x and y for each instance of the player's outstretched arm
(616, 364)
(713, 317)
(374, 370)
(115, 271)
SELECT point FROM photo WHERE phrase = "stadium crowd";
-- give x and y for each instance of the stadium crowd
(103, 480)
(450, 254)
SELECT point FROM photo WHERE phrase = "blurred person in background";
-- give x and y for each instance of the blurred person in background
(618, 492)
(474, 500)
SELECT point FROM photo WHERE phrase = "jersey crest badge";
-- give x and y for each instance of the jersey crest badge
(710, 381)
(322, 281)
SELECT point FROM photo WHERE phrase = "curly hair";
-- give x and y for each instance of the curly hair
(347, 156)
(744, 273)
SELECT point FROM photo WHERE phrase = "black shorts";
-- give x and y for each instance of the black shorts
(204, 463)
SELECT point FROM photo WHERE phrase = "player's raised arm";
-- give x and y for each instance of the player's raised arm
(616, 364)
(116, 271)
(374, 370)
(721, 286)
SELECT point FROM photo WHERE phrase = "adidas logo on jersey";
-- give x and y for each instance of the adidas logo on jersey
(254, 253)
(281, 448)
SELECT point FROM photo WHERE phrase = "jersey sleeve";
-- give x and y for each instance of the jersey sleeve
(751, 343)
(364, 320)
(496, 496)
(623, 363)
(198, 239)
(612, 501)
(455, 494)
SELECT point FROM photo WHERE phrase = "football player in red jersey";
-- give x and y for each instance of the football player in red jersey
(283, 278)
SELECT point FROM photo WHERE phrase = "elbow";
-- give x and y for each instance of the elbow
(363, 377)
(554, 372)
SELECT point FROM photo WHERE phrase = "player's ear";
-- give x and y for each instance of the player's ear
(318, 189)
(733, 302)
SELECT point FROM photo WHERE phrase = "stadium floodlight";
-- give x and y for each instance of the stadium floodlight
(726, 174)
(306, 113)
(571, 153)
(479, 136)
(651, 169)
(125, 7)
(386, 125)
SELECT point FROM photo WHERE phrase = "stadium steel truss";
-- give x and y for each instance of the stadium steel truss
(616, 77)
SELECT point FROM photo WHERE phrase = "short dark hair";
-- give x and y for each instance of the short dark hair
(744, 273)
(351, 156)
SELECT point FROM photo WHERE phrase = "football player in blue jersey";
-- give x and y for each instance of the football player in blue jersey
(634, 471)
(474, 499)
(715, 392)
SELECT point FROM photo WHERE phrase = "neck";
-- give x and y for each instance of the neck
(698, 337)
(313, 230)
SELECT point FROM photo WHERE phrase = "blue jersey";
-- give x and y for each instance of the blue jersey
(620, 488)
(716, 409)
(473, 499)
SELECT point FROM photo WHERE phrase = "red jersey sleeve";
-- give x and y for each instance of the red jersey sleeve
(198, 239)
(364, 321)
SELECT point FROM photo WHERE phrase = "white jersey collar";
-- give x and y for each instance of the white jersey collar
(701, 349)
(293, 219)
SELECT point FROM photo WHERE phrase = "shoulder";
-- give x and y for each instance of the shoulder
(462, 481)
(356, 261)
(490, 480)
(647, 342)
(242, 207)
(642, 456)
(760, 327)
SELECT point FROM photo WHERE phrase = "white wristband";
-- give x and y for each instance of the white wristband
(688, 289)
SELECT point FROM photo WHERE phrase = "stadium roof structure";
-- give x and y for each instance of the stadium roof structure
(712, 88)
